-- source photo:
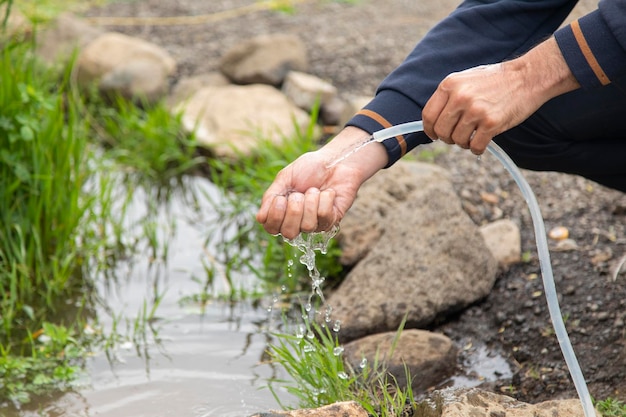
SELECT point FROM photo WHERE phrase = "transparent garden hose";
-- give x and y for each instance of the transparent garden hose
(543, 252)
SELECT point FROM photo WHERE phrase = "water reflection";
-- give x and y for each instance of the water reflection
(175, 360)
(211, 367)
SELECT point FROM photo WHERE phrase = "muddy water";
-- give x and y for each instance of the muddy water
(194, 362)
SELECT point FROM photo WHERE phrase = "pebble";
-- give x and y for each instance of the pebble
(569, 290)
(490, 198)
(566, 245)
(603, 315)
(558, 233)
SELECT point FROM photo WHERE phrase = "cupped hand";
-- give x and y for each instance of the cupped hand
(308, 196)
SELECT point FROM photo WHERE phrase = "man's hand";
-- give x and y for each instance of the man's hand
(309, 196)
(470, 107)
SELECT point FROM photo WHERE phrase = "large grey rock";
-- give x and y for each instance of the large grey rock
(125, 64)
(429, 357)
(423, 257)
(365, 222)
(265, 59)
(231, 120)
(63, 36)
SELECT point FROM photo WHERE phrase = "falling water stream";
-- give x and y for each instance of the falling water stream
(308, 243)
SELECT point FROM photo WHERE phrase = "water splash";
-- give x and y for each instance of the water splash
(308, 244)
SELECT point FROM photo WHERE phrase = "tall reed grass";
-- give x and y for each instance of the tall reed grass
(48, 226)
(43, 171)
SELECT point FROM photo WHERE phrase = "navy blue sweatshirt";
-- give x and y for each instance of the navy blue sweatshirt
(487, 32)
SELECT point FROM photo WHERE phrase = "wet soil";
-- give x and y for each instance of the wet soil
(354, 45)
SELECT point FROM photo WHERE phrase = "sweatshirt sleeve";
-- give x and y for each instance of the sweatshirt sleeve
(478, 32)
(594, 46)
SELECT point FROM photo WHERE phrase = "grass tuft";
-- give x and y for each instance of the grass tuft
(313, 358)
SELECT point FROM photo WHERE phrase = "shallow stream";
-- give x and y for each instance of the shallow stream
(189, 361)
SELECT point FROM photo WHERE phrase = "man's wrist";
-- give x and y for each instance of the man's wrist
(544, 71)
(368, 160)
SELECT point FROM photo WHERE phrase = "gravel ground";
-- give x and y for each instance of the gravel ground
(355, 46)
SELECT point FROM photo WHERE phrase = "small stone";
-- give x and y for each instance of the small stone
(566, 245)
(558, 233)
(501, 316)
(504, 241)
(490, 198)
(603, 315)
(569, 290)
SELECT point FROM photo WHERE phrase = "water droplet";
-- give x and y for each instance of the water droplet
(342, 375)
(300, 331)
(309, 348)
(363, 363)
(310, 335)
(337, 326)
(338, 350)
(307, 307)
(329, 310)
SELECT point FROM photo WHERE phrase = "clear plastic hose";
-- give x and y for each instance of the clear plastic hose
(542, 250)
